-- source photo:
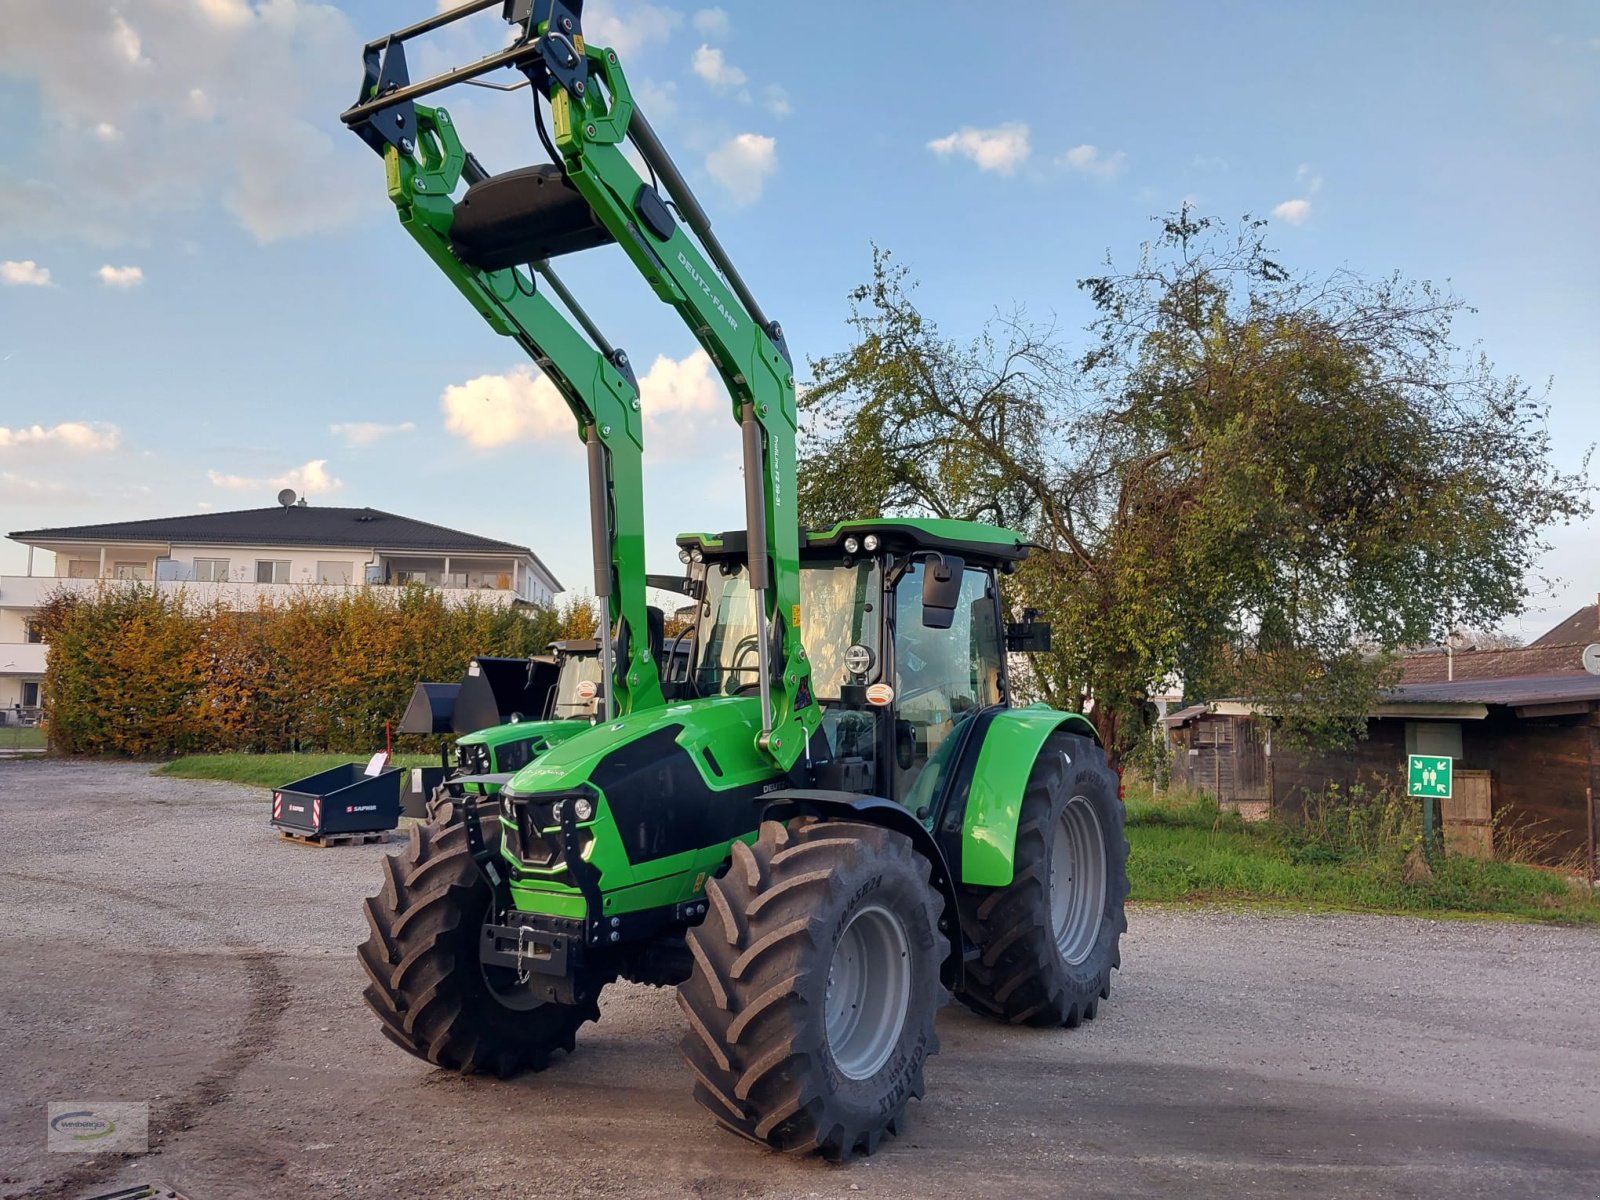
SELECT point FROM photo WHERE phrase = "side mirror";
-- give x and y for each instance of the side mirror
(1029, 636)
(941, 590)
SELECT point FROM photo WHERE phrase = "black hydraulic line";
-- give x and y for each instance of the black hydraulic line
(656, 156)
(571, 302)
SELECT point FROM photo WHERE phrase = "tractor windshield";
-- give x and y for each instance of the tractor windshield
(576, 669)
(838, 610)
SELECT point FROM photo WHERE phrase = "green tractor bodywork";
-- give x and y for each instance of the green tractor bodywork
(840, 774)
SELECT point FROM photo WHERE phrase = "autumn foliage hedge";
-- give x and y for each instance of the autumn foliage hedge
(134, 671)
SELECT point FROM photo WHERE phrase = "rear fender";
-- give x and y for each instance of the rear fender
(985, 796)
(873, 810)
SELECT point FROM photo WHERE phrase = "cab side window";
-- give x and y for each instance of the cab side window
(941, 675)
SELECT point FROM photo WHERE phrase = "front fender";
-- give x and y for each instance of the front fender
(998, 766)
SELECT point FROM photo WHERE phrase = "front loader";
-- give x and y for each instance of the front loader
(838, 817)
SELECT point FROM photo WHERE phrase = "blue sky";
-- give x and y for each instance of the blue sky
(204, 294)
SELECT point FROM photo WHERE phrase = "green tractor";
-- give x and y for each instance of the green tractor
(837, 817)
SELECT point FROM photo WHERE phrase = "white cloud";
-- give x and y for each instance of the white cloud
(776, 101)
(26, 273)
(364, 433)
(711, 66)
(742, 165)
(75, 437)
(713, 22)
(1295, 212)
(20, 490)
(312, 479)
(1003, 148)
(678, 398)
(628, 28)
(121, 277)
(1308, 177)
(1091, 161)
(193, 77)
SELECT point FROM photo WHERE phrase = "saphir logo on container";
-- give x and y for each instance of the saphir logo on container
(88, 1127)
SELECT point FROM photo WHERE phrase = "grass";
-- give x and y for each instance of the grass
(1348, 856)
(1185, 850)
(272, 770)
(13, 737)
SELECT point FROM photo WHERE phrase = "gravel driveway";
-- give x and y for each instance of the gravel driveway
(159, 944)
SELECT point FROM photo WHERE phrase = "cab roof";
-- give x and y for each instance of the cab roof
(970, 539)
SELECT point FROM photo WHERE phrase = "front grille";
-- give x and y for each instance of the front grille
(536, 837)
(473, 759)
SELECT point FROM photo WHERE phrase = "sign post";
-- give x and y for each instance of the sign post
(1429, 776)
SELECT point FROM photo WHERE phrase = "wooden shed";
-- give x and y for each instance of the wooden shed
(1526, 751)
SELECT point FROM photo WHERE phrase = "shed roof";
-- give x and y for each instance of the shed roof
(1581, 628)
(1434, 666)
(1528, 689)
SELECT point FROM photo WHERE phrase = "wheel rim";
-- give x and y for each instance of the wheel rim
(1077, 880)
(869, 990)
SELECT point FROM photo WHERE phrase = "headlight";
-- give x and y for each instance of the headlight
(851, 545)
(583, 809)
(870, 542)
(697, 555)
(683, 554)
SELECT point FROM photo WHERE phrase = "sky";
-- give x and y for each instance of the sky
(205, 296)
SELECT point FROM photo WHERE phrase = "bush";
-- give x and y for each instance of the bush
(134, 671)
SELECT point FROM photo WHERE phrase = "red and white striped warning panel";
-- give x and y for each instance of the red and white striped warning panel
(277, 806)
(316, 813)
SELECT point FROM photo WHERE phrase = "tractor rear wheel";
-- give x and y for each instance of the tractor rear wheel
(1048, 941)
(434, 996)
(815, 982)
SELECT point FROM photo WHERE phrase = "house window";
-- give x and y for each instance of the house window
(211, 570)
(30, 693)
(32, 633)
(272, 571)
(131, 570)
(336, 572)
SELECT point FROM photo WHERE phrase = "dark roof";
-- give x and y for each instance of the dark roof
(1527, 689)
(1581, 628)
(294, 526)
(1434, 666)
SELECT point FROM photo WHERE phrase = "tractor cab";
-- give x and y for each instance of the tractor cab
(906, 635)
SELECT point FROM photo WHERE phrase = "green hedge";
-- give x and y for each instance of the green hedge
(133, 671)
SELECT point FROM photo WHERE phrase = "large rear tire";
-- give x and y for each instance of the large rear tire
(815, 983)
(434, 996)
(1048, 941)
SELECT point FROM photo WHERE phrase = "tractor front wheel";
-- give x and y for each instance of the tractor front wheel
(435, 997)
(1048, 942)
(815, 982)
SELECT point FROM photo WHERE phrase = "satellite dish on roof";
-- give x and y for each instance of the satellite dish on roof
(287, 497)
(1591, 658)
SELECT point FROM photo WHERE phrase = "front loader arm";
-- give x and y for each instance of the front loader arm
(597, 384)
(668, 240)
(695, 277)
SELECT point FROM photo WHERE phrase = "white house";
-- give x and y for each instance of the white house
(239, 556)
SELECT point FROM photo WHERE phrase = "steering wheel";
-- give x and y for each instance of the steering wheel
(748, 646)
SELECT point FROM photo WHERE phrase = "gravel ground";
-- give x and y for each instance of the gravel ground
(160, 944)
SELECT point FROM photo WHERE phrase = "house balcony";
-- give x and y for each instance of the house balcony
(32, 591)
(22, 658)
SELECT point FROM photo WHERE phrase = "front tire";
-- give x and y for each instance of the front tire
(426, 983)
(1048, 941)
(815, 983)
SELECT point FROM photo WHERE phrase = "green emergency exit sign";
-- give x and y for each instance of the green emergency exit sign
(1429, 776)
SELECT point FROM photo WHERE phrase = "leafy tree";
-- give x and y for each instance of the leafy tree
(1255, 481)
(578, 617)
